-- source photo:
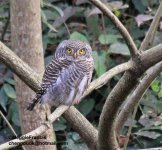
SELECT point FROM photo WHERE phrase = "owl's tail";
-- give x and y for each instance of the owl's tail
(32, 105)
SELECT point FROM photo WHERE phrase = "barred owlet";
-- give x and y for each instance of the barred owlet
(67, 75)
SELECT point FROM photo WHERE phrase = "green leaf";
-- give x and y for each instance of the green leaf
(139, 5)
(108, 38)
(74, 142)
(71, 145)
(3, 99)
(87, 106)
(14, 113)
(75, 136)
(78, 36)
(9, 90)
(92, 23)
(44, 20)
(158, 106)
(15, 119)
(137, 32)
(45, 41)
(100, 62)
(148, 134)
(50, 15)
(43, 15)
(160, 93)
(59, 126)
(61, 13)
(119, 48)
(155, 86)
(117, 12)
(50, 26)
(10, 81)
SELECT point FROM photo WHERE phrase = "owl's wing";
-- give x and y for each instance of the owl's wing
(52, 72)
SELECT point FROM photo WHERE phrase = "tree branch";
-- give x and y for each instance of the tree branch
(146, 81)
(7, 122)
(152, 30)
(103, 79)
(134, 99)
(40, 130)
(119, 26)
(81, 127)
(107, 139)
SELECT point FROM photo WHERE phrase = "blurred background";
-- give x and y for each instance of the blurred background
(79, 19)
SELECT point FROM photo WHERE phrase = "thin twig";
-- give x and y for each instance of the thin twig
(9, 125)
(38, 131)
(152, 30)
(119, 26)
(132, 101)
(68, 31)
(5, 28)
(130, 127)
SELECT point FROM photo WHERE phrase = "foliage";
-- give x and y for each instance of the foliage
(76, 19)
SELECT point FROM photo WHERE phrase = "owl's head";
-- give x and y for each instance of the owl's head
(73, 50)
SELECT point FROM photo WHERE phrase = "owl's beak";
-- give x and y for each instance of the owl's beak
(75, 55)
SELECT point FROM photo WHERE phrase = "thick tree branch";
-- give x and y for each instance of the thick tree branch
(10, 59)
(134, 99)
(152, 30)
(80, 126)
(119, 26)
(107, 139)
(151, 56)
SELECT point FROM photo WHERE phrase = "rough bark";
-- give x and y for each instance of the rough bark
(26, 41)
(106, 135)
(137, 94)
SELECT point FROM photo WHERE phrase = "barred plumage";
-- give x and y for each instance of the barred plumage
(67, 75)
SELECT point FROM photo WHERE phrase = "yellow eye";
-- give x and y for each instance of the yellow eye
(69, 51)
(81, 51)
